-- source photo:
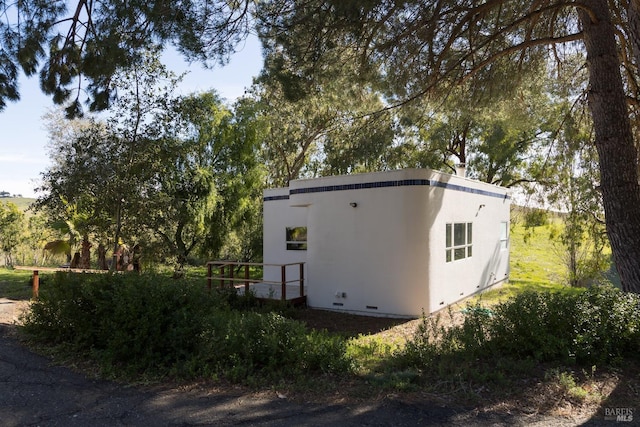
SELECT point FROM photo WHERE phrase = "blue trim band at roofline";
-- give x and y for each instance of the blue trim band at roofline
(271, 198)
(384, 184)
(469, 189)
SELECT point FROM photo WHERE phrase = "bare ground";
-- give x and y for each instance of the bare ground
(10, 310)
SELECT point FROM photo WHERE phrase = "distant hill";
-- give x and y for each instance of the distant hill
(21, 202)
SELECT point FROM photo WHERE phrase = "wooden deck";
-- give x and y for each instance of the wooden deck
(271, 291)
(221, 273)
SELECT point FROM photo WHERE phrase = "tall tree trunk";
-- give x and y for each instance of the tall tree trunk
(116, 237)
(614, 142)
(633, 14)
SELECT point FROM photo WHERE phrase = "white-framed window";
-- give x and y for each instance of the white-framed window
(504, 235)
(459, 241)
(296, 238)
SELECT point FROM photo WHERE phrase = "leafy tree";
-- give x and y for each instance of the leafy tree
(365, 143)
(497, 137)
(321, 129)
(38, 234)
(205, 167)
(159, 167)
(67, 202)
(292, 132)
(100, 167)
(448, 131)
(246, 176)
(11, 229)
(78, 47)
(73, 188)
(139, 123)
(412, 47)
(583, 237)
(511, 141)
(474, 42)
(574, 164)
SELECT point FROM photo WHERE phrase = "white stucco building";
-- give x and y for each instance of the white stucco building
(396, 243)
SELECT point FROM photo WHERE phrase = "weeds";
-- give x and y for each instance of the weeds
(567, 383)
(579, 388)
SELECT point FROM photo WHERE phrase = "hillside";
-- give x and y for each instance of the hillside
(22, 202)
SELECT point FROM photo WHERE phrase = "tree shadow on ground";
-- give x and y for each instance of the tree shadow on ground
(623, 401)
(344, 324)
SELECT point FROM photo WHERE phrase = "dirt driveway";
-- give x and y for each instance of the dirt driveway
(34, 392)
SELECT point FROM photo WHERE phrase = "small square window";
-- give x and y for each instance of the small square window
(296, 238)
(458, 241)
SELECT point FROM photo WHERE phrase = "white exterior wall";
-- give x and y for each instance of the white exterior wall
(278, 215)
(489, 264)
(366, 259)
(386, 256)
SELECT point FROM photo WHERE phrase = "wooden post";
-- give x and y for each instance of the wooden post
(246, 279)
(209, 272)
(283, 276)
(231, 272)
(221, 276)
(36, 284)
(301, 279)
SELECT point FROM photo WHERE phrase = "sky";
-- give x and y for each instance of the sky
(24, 141)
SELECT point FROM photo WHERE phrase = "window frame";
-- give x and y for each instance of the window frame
(458, 241)
(294, 243)
(504, 235)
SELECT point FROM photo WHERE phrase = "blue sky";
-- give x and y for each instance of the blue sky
(23, 139)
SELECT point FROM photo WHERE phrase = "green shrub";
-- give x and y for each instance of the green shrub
(536, 218)
(246, 344)
(601, 324)
(535, 325)
(157, 326)
(234, 300)
(132, 322)
(598, 325)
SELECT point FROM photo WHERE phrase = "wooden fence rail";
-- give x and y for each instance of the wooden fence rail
(223, 272)
(35, 277)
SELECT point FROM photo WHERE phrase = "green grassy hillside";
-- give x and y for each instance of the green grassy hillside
(536, 255)
(21, 202)
(536, 261)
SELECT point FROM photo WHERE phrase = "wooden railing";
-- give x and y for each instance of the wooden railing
(224, 272)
